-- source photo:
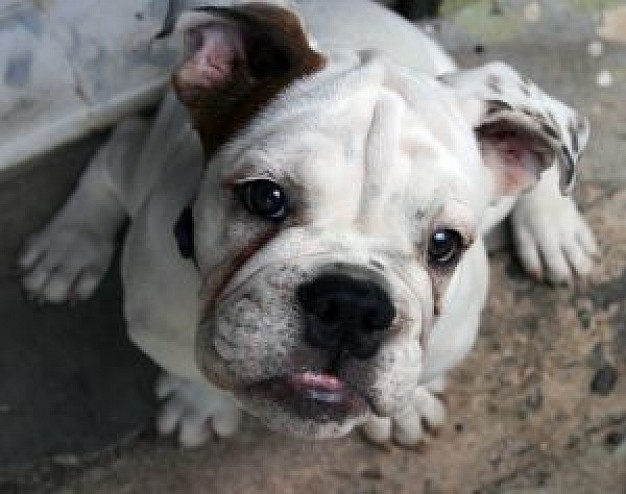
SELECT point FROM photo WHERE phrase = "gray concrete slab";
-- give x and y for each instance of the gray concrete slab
(70, 382)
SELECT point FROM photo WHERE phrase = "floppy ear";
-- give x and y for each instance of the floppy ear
(521, 130)
(236, 59)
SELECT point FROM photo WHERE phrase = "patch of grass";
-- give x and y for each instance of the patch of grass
(477, 19)
(593, 5)
(450, 6)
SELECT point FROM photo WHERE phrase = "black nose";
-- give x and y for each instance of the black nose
(345, 314)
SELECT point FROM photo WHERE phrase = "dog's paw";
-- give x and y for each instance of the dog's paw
(553, 240)
(195, 411)
(424, 414)
(64, 262)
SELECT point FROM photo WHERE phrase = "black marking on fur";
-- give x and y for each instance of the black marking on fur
(574, 137)
(549, 131)
(183, 232)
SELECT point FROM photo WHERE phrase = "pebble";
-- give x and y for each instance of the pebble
(614, 439)
(372, 473)
(584, 317)
(604, 380)
(604, 78)
(534, 400)
(595, 49)
(66, 460)
(494, 458)
(532, 12)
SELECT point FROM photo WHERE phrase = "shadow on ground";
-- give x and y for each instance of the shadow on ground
(70, 382)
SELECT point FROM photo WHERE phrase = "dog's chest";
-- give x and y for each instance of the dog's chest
(160, 286)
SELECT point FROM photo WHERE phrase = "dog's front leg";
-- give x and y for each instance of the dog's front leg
(551, 236)
(68, 258)
(407, 428)
(195, 410)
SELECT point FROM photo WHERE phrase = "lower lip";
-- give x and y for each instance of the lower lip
(315, 396)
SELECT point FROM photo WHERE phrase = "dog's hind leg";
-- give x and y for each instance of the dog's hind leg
(68, 258)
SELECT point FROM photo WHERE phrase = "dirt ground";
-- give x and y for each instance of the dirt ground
(538, 406)
(533, 409)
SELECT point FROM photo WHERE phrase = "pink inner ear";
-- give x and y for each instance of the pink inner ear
(211, 54)
(513, 159)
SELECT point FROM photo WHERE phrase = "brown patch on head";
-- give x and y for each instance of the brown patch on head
(221, 277)
(266, 50)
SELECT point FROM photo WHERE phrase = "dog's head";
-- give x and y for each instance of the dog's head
(339, 215)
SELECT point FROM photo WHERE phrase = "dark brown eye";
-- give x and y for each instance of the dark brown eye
(445, 248)
(263, 198)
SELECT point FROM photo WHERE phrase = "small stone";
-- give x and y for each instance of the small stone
(595, 48)
(372, 473)
(479, 49)
(560, 416)
(604, 380)
(614, 439)
(496, 8)
(459, 427)
(430, 487)
(532, 12)
(604, 78)
(584, 316)
(519, 447)
(573, 441)
(534, 400)
(66, 460)
(495, 458)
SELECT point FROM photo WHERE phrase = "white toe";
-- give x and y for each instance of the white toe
(86, 285)
(378, 429)
(226, 422)
(527, 252)
(193, 431)
(407, 428)
(195, 410)
(170, 415)
(430, 407)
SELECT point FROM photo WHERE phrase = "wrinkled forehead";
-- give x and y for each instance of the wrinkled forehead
(364, 111)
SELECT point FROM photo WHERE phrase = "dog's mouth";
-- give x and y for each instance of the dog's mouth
(313, 396)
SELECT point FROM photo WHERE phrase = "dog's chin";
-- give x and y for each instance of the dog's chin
(307, 404)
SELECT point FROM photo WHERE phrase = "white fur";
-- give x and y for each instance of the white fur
(355, 134)
(194, 409)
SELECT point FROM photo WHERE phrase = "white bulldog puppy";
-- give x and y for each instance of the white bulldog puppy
(306, 237)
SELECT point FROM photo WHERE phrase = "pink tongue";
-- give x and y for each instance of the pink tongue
(325, 382)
